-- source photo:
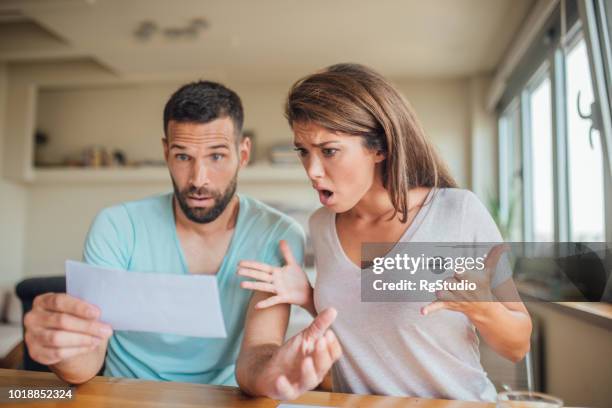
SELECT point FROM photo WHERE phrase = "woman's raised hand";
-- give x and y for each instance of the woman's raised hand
(288, 283)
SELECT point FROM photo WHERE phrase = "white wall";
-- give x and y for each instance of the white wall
(578, 356)
(483, 156)
(12, 208)
(443, 109)
(12, 232)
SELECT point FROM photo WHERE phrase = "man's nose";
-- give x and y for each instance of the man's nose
(199, 174)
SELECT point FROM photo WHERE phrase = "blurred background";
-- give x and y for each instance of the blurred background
(514, 94)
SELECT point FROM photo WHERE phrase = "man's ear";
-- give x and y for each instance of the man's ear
(166, 148)
(244, 151)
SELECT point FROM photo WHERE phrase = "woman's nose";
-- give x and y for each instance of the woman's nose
(314, 168)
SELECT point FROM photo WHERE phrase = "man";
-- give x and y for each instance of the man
(203, 227)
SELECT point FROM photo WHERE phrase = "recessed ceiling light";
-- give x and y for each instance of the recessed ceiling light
(147, 29)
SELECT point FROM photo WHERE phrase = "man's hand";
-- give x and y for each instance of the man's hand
(301, 363)
(60, 327)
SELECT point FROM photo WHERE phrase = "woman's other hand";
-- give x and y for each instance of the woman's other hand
(470, 302)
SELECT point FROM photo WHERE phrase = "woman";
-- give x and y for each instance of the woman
(380, 180)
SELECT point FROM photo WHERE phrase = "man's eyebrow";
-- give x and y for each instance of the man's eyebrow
(220, 146)
(181, 147)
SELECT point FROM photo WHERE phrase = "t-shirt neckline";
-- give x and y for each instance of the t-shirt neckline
(406, 236)
(230, 247)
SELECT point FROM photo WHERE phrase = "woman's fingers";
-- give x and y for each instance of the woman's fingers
(445, 295)
(493, 258)
(255, 274)
(256, 265)
(309, 378)
(322, 357)
(320, 324)
(284, 389)
(269, 302)
(433, 307)
(287, 254)
(335, 350)
(260, 286)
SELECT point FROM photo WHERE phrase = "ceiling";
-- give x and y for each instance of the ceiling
(265, 39)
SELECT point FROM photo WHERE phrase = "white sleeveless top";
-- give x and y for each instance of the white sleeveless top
(390, 348)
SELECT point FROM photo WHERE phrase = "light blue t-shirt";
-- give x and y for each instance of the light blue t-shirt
(141, 236)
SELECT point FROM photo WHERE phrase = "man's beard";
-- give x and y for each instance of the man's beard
(205, 215)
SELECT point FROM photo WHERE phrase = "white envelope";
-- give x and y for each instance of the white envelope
(186, 305)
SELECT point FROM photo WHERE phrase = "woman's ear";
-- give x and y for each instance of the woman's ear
(380, 156)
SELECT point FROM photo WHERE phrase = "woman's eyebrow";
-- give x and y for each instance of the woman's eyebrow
(322, 144)
(326, 143)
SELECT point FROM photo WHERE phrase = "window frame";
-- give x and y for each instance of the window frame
(596, 19)
(539, 76)
(506, 169)
(547, 57)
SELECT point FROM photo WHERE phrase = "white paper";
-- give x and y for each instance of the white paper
(186, 305)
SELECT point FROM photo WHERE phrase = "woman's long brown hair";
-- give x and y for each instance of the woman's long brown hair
(355, 100)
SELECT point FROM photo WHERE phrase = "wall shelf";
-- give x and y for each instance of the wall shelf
(257, 173)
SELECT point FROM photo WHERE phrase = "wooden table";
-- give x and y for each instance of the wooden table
(120, 392)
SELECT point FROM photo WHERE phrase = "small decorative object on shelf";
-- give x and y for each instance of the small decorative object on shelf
(101, 157)
(96, 156)
(150, 163)
(41, 139)
(283, 154)
(119, 158)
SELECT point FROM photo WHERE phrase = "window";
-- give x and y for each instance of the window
(540, 158)
(510, 173)
(555, 132)
(585, 159)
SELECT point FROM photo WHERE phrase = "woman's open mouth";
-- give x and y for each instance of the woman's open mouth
(325, 196)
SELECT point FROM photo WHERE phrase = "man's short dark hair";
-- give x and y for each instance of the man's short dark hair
(203, 102)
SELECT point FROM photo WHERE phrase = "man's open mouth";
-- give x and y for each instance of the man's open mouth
(195, 198)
